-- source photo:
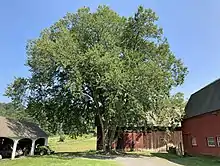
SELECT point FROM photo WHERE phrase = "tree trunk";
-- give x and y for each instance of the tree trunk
(111, 135)
(103, 133)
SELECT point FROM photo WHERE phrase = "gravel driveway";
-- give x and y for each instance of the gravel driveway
(145, 161)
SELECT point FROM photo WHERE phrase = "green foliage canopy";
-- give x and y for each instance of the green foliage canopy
(99, 64)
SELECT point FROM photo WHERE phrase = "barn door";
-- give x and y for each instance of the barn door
(186, 142)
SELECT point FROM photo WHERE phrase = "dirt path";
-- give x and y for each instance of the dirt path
(145, 161)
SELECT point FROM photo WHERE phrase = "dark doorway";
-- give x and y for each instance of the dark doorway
(40, 142)
(6, 146)
(24, 146)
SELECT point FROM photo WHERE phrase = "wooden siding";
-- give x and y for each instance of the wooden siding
(155, 140)
(151, 140)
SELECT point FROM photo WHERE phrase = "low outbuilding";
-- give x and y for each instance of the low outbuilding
(20, 136)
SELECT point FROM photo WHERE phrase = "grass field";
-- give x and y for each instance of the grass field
(71, 147)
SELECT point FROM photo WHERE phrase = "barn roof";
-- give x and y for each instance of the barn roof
(204, 101)
(11, 128)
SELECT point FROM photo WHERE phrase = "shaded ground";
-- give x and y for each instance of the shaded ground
(166, 159)
(190, 161)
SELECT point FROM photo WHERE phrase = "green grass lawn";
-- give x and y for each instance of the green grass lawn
(71, 147)
(41, 161)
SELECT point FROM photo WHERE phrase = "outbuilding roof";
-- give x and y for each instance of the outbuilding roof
(204, 101)
(11, 128)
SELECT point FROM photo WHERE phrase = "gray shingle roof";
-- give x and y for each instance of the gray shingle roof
(11, 128)
(205, 100)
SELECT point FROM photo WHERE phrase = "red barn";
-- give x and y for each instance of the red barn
(201, 126)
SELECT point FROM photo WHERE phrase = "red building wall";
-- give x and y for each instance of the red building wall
(201, 127)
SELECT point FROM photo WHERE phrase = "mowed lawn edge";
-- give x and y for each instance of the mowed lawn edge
(42, 161)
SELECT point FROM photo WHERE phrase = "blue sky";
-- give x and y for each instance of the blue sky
(192, 29)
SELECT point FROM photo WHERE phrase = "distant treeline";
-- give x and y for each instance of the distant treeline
(11, 111)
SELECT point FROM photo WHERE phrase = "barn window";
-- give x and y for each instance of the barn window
(194, 143)
(211, 141)
(218, 141)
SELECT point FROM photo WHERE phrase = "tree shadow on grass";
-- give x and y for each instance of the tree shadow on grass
(85, 154)
(92, 155)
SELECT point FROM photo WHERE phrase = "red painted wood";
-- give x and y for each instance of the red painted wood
(143, 140)
(201, 127)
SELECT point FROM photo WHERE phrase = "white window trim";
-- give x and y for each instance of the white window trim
(194, 144)
(207, 139)
(218, 140)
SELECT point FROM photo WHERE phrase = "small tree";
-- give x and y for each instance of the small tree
(170, 111)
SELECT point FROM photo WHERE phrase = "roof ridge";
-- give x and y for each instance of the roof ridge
(213, 82)
(204, 100)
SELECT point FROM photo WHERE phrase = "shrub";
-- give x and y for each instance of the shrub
(62, 138)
